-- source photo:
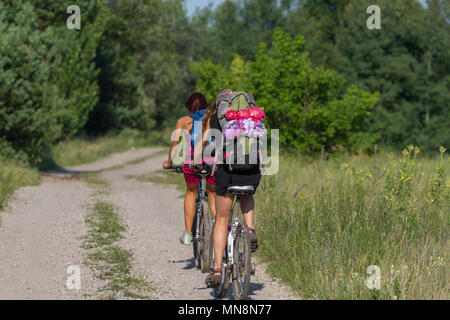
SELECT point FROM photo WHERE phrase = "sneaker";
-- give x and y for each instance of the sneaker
(253, 241)
(185, 239)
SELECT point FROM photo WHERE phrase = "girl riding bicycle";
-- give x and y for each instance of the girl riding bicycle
(224, 199)
(196, 105)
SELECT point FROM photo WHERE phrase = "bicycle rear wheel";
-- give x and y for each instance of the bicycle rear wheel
(205, 238)
(242, 263)
(221, 291)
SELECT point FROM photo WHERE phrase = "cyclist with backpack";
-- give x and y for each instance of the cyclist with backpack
(190, 126)
(234, 114)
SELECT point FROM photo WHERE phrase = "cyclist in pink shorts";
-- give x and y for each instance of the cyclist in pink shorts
(196, 105)
(194, 179)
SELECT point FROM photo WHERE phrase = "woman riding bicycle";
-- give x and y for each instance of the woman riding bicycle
(196, 105)
(224, 199)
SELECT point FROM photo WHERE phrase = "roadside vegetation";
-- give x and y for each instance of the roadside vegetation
(85, 149)
(14, 176)
(110, 262)
(323, 223)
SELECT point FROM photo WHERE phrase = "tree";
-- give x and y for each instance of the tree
(29, 104)
(48, 79)
(75, 73)
(143, 58)
(311, 106)
(407, 61)
(236, 27)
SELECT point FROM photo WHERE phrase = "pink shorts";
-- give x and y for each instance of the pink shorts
(191, 178)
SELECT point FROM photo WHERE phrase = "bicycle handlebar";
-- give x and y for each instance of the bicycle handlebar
(205, 170)
(177, 169)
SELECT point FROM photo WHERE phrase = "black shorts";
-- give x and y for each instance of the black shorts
(225, 179)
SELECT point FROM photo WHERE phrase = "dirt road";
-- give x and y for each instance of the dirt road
(42, 231)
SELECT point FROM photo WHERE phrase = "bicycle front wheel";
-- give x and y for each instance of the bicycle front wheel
(205, 238)
(242, 263)
(196, 245)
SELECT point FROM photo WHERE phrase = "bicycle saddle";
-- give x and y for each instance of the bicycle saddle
(241, 189)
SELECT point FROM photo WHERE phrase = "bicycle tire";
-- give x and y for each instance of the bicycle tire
(195, 244)
(242, 262)
(221, 291)
(205, 238)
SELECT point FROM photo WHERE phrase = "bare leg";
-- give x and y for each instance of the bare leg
(212, 198)
(223, 210)
(248, 209)
(189, 206)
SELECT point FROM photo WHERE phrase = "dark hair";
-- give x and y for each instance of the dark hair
(196, 102)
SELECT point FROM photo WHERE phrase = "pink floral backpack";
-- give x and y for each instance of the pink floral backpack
(242, 125)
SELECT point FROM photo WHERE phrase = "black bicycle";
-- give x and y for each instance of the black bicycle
(236, 263)
(201, 228)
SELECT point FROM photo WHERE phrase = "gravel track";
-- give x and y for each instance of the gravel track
(41, 234)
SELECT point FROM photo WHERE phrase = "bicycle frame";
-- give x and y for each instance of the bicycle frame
(232, 225)
(202, 220)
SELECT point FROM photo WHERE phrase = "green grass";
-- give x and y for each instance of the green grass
(14, 176)
(323, 223)
(108, 259)
(85, 150)
(164, 177)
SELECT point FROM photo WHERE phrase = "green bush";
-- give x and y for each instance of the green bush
(29, 105)
(311, 106)
(14, 176)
